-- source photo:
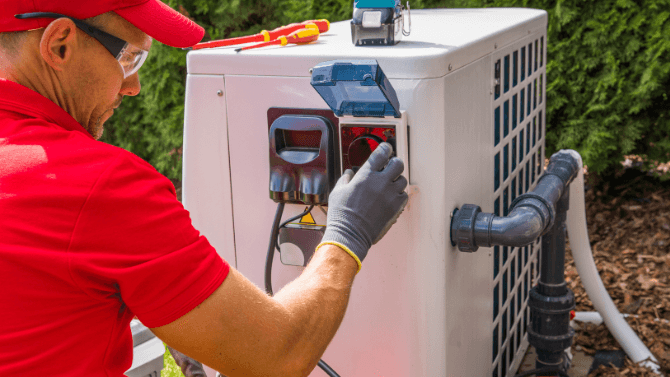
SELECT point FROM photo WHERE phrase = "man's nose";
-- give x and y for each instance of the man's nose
(131, 85)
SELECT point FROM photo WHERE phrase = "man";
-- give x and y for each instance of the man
(91, 235)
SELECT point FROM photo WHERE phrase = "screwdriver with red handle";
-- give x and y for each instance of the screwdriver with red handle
(300, 37)
(266, 36)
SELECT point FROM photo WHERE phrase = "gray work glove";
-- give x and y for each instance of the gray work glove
(362, 207)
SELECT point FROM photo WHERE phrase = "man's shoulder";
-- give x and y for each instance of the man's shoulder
(73, 150)
(72, 156)
(114, 166)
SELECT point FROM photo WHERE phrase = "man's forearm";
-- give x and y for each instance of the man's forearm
(241, 331)
(317, 301)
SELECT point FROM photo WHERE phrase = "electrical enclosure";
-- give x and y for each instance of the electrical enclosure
(471, 89)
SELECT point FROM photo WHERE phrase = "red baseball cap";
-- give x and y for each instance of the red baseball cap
(153, 17)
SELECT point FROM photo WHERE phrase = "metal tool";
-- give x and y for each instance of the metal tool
(379, 22)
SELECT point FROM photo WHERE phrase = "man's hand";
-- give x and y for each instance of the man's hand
(362, 207)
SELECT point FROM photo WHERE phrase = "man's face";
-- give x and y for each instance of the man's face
(98, 82)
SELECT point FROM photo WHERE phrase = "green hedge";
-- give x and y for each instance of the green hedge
(608, 72)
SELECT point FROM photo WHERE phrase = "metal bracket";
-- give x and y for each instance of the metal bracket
(409, 21)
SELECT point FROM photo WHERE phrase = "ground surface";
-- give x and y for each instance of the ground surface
(628, 217)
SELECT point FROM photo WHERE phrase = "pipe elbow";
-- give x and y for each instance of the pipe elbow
(523, 226)
(531, 214)
(471, 229)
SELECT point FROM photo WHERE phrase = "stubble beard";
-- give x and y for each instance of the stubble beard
(98, 129)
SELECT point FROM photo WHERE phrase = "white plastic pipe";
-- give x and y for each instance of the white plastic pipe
(596, 318)
(586, 267)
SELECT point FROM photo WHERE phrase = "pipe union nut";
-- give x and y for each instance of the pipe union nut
(463, 228)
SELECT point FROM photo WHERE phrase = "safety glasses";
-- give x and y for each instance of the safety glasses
(129, 57)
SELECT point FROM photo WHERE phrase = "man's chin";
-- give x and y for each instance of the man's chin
(98, 133)
(98, 128)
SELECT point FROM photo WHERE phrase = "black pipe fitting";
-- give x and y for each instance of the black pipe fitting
(526, 220)
(553, 332)
(462, 229)
(549, 330)
(550, 320)
(542, 212)
(551, 300)
(564, 166)
(530, 216)
(552, 278)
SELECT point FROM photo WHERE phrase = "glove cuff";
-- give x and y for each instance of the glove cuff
(341, 231)
(343, 247)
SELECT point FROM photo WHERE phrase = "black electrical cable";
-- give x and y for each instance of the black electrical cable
(296, 217)
(326, 368)
(271, 249)
(543, 370)
(274, 234)
(300, 216)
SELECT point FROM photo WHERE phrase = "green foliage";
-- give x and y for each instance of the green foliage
(609, 69)
(607, 74)
(333, 10)
(170, 367)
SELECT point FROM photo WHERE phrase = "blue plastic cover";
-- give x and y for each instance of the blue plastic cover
(376, 3)
(355, 87)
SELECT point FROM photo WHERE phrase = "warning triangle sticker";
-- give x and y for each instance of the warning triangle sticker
(308, 219)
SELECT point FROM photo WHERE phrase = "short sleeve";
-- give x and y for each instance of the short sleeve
(134, 238)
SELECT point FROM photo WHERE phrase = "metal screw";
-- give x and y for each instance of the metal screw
(219, 93)
(450, 67)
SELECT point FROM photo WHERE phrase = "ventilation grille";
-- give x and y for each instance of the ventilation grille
(518, 158)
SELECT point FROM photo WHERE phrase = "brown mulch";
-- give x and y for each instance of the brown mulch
(628, 218)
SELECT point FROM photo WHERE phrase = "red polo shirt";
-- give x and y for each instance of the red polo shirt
(90, 236)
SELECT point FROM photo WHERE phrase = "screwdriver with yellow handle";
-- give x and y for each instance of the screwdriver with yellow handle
(299, 37)
(266, 36)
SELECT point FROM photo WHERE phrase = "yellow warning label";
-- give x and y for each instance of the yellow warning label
(308, 219)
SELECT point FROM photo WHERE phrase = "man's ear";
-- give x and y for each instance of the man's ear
(58, 43)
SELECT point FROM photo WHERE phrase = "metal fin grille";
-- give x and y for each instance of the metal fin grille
(518, 156)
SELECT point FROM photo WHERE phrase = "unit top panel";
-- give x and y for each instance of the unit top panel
(441, 40)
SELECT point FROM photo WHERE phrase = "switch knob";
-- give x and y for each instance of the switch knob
(361, 148)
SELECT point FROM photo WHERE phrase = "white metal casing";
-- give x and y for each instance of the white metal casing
(418, 307)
